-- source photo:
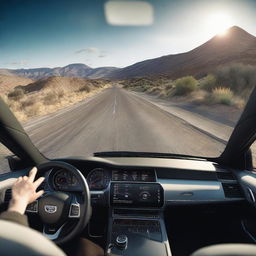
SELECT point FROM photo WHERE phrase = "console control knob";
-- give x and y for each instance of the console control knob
(145, 195)
(122, 241)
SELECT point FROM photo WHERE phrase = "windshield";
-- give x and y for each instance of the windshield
(143, 76)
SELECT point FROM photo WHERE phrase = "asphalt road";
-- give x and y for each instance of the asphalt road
(116, 119)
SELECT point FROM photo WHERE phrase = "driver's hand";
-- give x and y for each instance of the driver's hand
(24, 192)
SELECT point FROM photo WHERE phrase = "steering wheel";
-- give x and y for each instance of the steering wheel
(63, 214)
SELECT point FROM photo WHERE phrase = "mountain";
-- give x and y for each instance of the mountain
(237, 46)
(72, 70)
(7, 82)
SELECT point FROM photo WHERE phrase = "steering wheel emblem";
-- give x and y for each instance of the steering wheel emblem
(50, 208)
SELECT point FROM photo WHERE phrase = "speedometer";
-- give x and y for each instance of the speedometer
(98, 179)
(64, 180)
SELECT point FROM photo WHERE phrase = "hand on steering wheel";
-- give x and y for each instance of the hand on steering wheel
(63, 214)
(24, 192)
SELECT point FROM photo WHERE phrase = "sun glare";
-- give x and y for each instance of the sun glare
(219, 23)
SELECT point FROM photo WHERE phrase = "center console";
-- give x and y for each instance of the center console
(136, 225)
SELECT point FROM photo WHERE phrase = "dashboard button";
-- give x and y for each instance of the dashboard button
(122, 241)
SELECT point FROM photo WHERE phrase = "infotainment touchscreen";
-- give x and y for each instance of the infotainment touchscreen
(136, 194)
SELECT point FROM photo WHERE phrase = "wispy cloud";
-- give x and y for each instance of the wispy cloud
(92, 51)
(17, 63)
(88, 50)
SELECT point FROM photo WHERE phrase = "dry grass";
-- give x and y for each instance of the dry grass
(16, 94)
(222, 95)
(48, 101)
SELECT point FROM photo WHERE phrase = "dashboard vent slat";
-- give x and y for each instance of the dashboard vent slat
(232, 190)
(8, 195)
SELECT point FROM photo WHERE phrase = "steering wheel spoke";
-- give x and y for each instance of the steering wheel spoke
(52, 232)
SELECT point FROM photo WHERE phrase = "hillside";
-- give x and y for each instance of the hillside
(237, 46)
(8, 83)
(64, 84)
(72, 70)
(48, 95)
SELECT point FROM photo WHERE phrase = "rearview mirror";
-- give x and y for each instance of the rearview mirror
(129, 13)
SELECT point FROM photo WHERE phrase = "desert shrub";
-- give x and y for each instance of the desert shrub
(16, 94)
(126, 85)
(208, 83)
(169, 85)
(185, 85)
(155, 90)
(163, 94)
(33, 110)
(85, 88)
(60, 94)
(50, 98)
(27, 102)
(241, 79)
(222, 96)
(97, 83)
(146, 87)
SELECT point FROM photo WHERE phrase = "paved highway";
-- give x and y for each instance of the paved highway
(117, 119)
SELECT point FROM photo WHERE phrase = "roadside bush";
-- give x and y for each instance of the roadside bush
(222, 96)
(240, 78)
(185, 85)
(60, 94)
(208, 83)
(155, 90)
(16, 94)
(146, 87)
(126, 85)
(33, 110)
(27, 102)
(169, 86)
(50, 98)
(85, 88)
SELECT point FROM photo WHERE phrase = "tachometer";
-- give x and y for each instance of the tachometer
(64, 180)
(98, 179)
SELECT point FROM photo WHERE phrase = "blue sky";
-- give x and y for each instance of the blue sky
(50, 33)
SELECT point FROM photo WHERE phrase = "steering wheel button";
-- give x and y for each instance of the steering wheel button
(33, 207)
(74, 211)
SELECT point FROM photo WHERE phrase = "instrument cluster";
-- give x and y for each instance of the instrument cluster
(99, 178)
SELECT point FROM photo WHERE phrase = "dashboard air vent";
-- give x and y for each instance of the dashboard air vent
(8, 195)
(225, 176)
(232, 190)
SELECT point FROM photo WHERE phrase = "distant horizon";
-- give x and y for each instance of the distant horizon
(80, 63)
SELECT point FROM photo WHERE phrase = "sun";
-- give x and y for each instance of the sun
(219, 23)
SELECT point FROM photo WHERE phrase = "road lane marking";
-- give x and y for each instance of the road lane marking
(115, 103)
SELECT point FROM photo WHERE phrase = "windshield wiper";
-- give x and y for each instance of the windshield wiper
(146, 154)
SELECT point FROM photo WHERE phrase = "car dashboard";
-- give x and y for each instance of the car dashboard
(136, 191)
(136, 182)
